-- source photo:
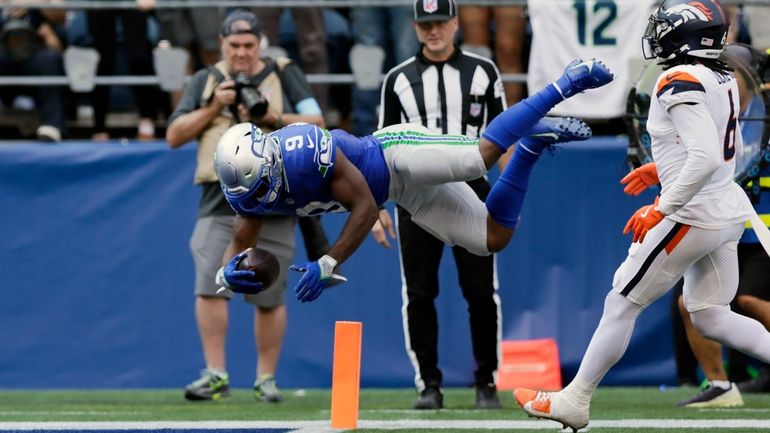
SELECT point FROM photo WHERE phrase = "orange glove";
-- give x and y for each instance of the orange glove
(640, 179)
(643, 220)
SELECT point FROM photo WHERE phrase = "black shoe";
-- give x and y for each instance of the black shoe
(430, 398)
(712, 396)
(486, 397)
(760, 383)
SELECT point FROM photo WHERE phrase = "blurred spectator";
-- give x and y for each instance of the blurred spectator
(194, 29)
(508, 40)
(390, 28)
(311, 39)
(339, 39)
(29, 46)
(211, 104)
(757, 19)
(686, 363)
(102, 24)
(565, 29)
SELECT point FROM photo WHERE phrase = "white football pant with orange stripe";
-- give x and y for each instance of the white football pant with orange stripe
(707, 259)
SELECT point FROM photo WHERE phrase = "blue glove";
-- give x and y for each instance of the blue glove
(315, 278)
(238, 280)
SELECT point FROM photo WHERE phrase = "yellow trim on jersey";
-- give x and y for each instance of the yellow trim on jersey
(764, 217)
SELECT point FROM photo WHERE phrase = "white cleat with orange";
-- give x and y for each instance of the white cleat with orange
(552, 405)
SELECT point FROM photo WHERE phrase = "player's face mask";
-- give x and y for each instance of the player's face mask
(250, 168)
(651, 41)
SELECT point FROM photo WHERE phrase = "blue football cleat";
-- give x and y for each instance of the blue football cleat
(552, 130)
(579, 76)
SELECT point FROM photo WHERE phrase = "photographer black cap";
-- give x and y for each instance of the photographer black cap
(434, 10)
(240, 21)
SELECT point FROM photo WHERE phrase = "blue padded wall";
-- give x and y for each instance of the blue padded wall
(96, 276)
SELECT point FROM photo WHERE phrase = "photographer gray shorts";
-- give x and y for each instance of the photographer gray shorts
(209, 240)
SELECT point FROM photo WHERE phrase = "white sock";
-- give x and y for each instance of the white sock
(607, 346)
(218, 372)
(580, 391)
(724, 384)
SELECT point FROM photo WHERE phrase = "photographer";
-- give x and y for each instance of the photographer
(30, 46)
(242, 87)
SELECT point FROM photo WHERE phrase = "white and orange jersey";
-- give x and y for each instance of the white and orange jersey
(716, 202)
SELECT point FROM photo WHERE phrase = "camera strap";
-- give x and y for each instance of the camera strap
(219, 77)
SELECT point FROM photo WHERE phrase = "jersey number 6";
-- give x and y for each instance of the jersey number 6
(729, 142)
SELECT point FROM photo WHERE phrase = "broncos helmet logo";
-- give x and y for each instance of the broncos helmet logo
(691, 11)
(683, 13)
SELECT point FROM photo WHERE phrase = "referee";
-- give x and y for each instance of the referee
(450, 92)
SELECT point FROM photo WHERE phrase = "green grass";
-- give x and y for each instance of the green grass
(375, 404)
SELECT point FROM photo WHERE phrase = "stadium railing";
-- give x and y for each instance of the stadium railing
(172, 4)
(152, 80)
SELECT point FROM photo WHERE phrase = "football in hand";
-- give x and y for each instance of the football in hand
(264, 265)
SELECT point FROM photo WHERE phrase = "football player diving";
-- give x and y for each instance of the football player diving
(692, 229)
(306, 170)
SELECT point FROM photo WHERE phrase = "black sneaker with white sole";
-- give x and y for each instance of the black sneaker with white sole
(714, 396)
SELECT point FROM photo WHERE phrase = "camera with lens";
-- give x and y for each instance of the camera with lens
(246, 93)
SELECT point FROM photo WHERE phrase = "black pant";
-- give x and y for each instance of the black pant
(101, 24)
(421, 255)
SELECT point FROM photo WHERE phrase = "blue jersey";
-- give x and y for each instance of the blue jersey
(309, 156)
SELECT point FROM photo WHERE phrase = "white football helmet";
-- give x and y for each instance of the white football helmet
(250, 168)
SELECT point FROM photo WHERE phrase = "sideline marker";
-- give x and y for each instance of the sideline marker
(346, 374)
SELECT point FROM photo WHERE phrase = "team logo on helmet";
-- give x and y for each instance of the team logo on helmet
(686, 12)
(691, 11)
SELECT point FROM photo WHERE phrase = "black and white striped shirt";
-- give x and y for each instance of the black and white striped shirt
(457, 96)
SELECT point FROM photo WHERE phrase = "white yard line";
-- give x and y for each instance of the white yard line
(66, 413)
(323, 426)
